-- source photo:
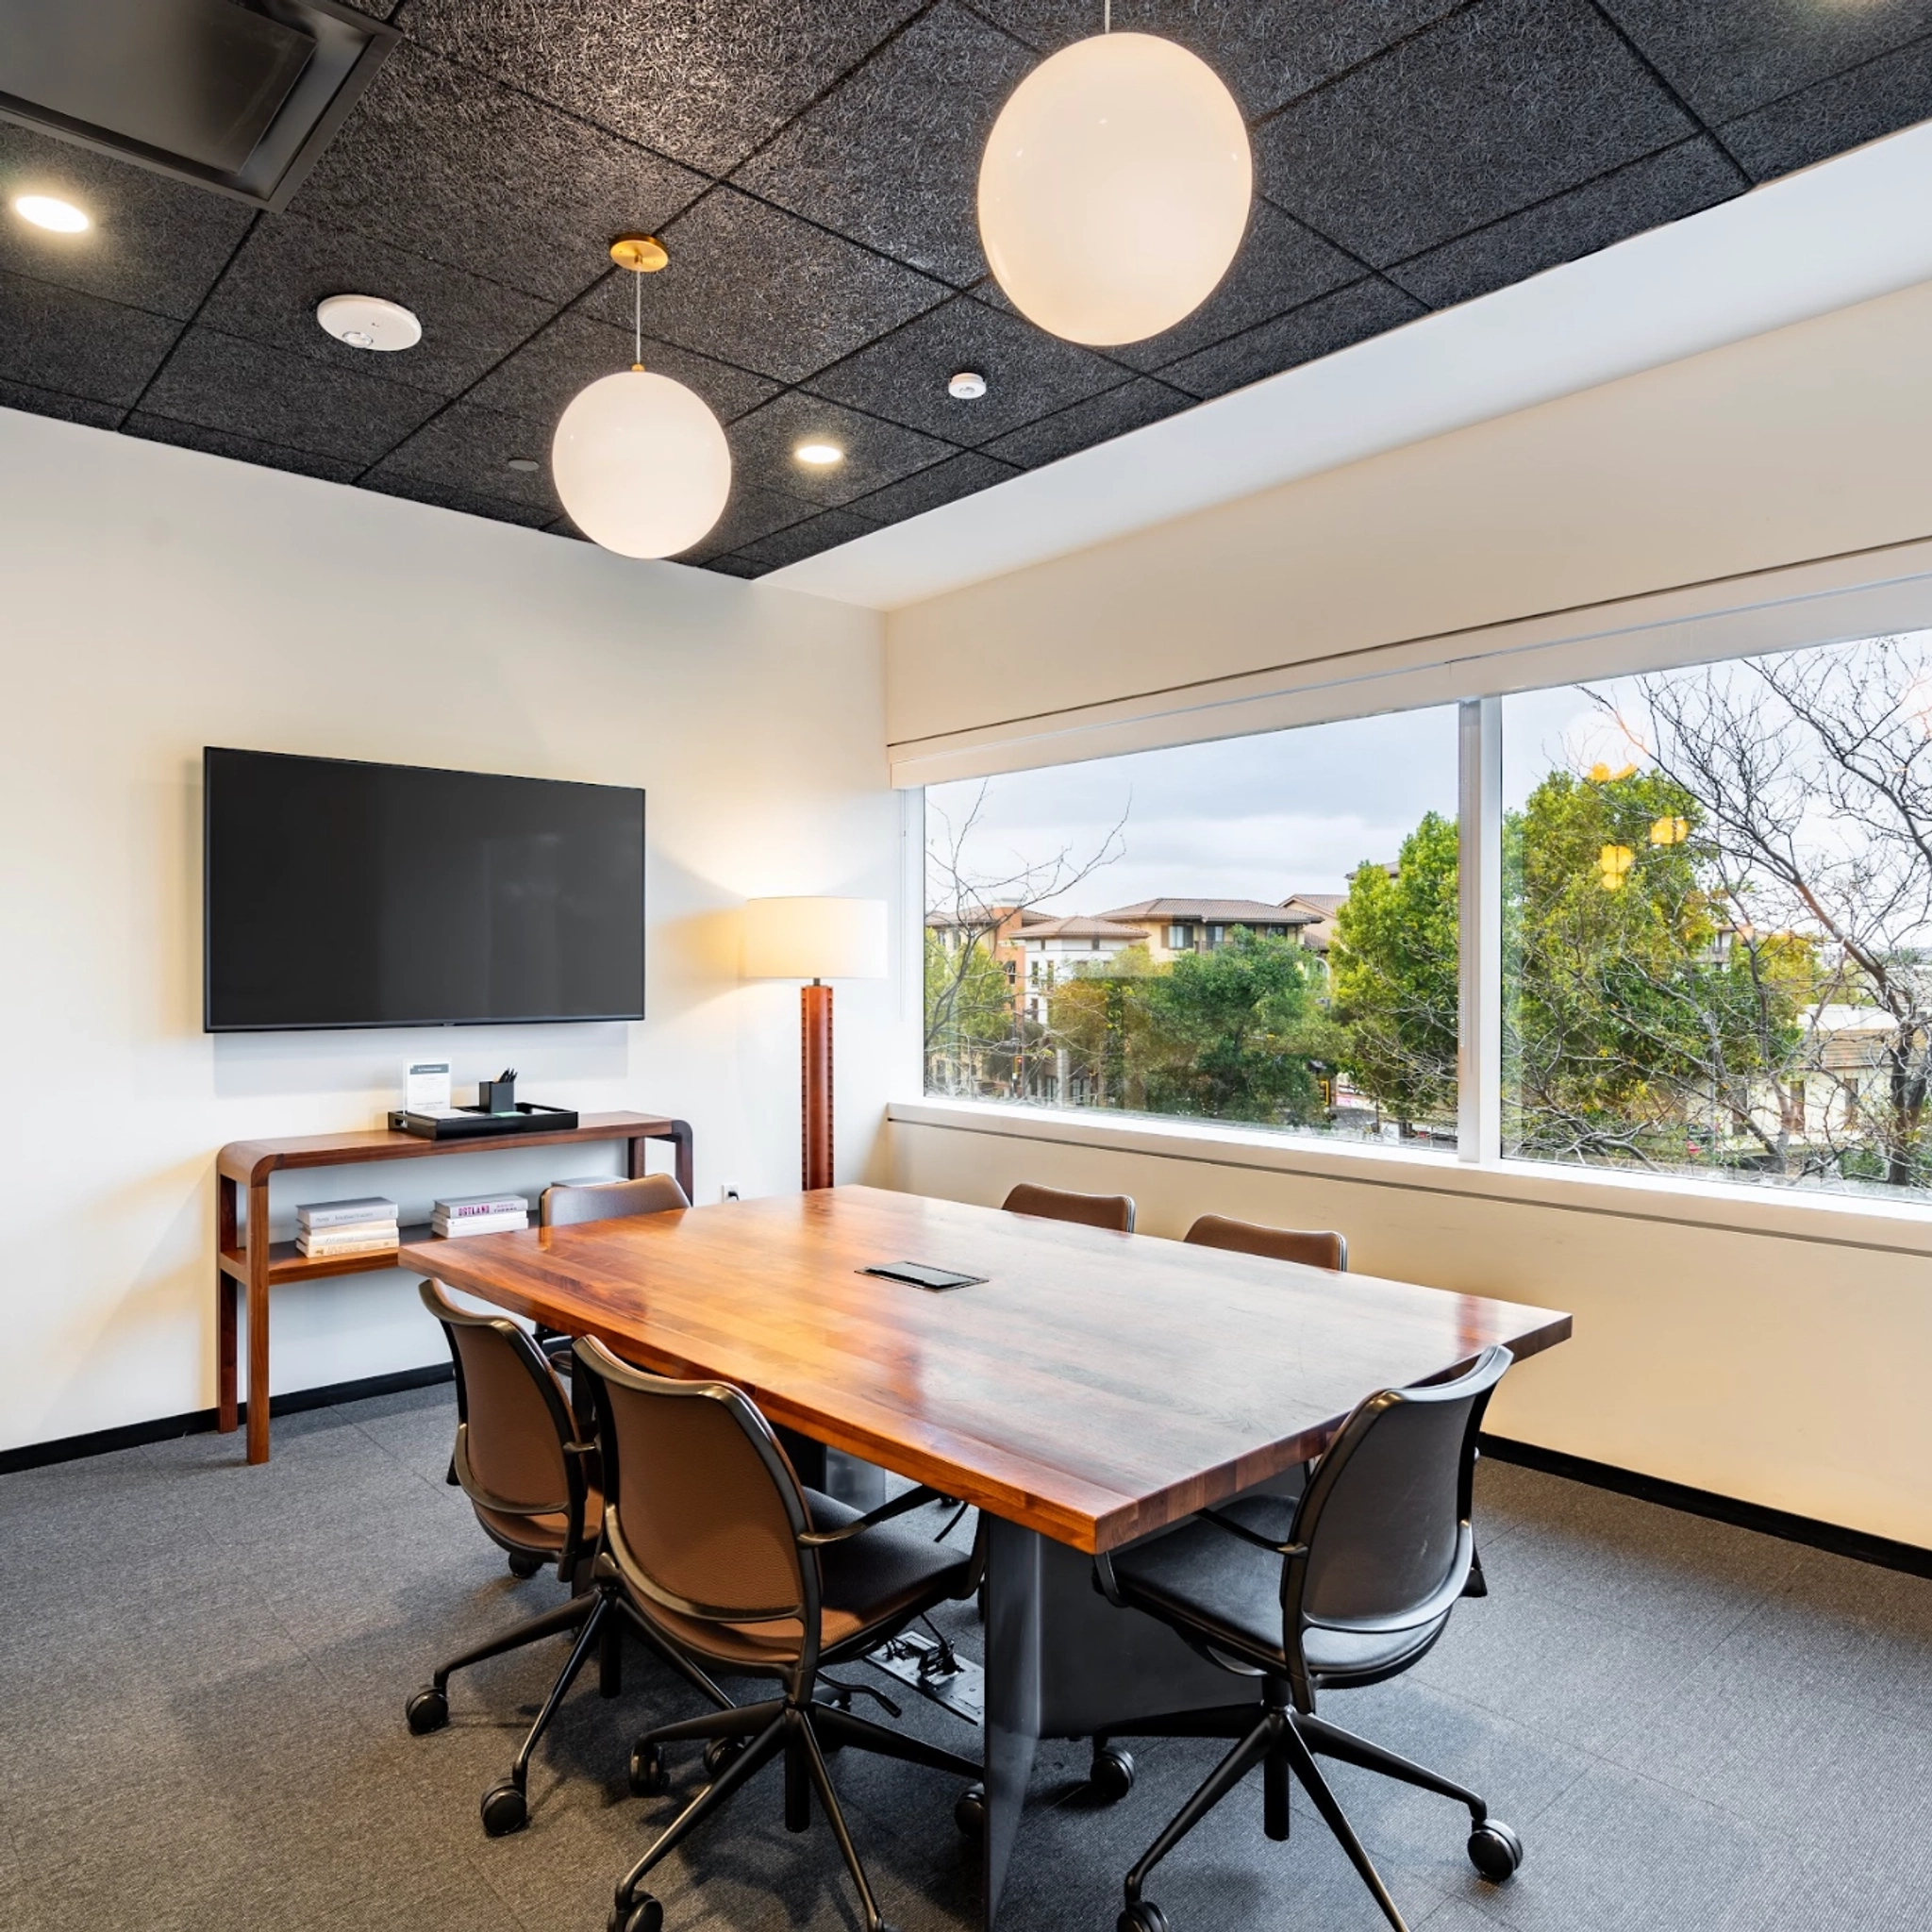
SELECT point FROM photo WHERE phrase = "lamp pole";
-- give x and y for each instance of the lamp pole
(815, 1076)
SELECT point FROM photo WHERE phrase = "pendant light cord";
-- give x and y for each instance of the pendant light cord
(1107, 16)
(637, 319)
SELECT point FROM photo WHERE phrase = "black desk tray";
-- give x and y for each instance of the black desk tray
(474, 1124)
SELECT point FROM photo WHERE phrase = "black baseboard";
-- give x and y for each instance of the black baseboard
(202, 1421)
(1779, 1522)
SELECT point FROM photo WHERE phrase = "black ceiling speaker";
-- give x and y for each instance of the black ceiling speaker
(237, 96)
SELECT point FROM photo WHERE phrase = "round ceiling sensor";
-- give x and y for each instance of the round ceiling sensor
(523, 464)
(967, 387)
(369, 322)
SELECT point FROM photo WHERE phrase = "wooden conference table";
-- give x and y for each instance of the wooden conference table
(1095, 1387)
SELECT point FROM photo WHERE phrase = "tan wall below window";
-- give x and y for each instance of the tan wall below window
(1778, 1370)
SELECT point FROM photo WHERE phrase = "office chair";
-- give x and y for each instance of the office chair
(534, 1487)
(1349, 1586)
(1312, 1248)
(1056, 1204)
(731, 1562)
(571, 1203)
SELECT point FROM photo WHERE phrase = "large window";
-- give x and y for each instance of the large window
(1718, 919)
(1715, 927)
(1260, 930)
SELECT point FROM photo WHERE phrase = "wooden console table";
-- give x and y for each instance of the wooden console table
(250, 1258)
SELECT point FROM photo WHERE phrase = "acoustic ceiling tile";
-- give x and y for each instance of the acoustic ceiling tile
(1333, 322)
(1099, 419)
(241, 449)
(755, 286)
(875, 453)
(467, 449)
(223, 382)
(1029, 373)
(542, 376)
(59, 339)
(50, 402)
(448, 164)
(822, 532)
(1499, 106)
(891, 155)
(753, 511)
(961, 476)
(1280, 266)
(1660, 188)
(289, 264)
(1266, 54)
(1819, 122)
(746, 567)
(471, 503)
(704, 81)
(1727, 56)
(154, 243)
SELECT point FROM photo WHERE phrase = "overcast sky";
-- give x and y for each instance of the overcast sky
(1258, 818)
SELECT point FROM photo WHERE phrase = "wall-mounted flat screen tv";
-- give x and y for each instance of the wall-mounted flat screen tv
(346, 894)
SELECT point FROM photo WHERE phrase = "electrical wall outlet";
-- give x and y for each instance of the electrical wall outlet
(728, 1192)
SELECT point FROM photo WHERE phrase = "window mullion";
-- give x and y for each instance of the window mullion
(1479, 959)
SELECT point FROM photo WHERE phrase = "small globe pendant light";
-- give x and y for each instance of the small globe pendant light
(1115, 186)
(639, 460)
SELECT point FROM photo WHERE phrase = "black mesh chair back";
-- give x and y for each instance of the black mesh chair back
(703, 1510)
(513, 1422)
(1382, 1534)
(1114, 1211)
(581, 1201)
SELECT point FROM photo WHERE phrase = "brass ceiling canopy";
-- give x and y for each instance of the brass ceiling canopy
(643, 255)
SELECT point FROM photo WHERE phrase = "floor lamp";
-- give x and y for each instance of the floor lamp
(815, 939)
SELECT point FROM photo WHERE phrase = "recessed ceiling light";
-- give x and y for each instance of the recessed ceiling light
(524, 463)
(369, 322)
(46, 211)
(967, 386)
(819, 453)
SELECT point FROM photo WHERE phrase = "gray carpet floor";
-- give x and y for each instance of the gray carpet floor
(203, 1668)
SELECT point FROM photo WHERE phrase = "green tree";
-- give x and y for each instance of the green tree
(1230, 1032)
(1393, 962)
(1099, 1016)
(968, 1011)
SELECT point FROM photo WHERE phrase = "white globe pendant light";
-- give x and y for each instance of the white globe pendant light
(639, 460)
(1114, 189)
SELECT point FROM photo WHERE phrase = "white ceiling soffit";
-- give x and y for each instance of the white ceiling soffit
(1844, 232)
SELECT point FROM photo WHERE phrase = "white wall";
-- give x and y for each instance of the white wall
(155, 600)
(1801, 444)
(1781, 1369)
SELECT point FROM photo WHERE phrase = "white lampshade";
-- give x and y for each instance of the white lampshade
(641, 464)
(814, 938)
(1115, 190)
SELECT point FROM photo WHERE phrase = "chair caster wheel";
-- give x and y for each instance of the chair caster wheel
(525, 1567)
(503, 1809)
(649, 1774)
(1113, 1774)
(1494, 1850)
(644, 1914)
(969, 1811)
(1143, 1915)
(428, 1710)
(718, 1753)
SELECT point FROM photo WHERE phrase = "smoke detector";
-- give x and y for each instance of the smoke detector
(967, 387)
(369, 322)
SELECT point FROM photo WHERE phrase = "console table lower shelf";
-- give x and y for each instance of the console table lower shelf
(247, 1258)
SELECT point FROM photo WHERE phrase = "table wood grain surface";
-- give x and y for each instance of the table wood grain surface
(1095, 1387)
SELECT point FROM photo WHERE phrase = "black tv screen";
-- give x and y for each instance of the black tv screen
(347, 894)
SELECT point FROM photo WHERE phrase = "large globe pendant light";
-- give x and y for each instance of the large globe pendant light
(639, 460)
(1114, 189)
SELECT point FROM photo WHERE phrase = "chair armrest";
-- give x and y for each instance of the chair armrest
(1250, 1536)
(899, 1505)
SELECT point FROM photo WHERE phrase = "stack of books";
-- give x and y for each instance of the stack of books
(366, 1226)
(480, 1214)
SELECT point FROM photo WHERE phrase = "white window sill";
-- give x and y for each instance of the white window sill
(1788, 1215)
